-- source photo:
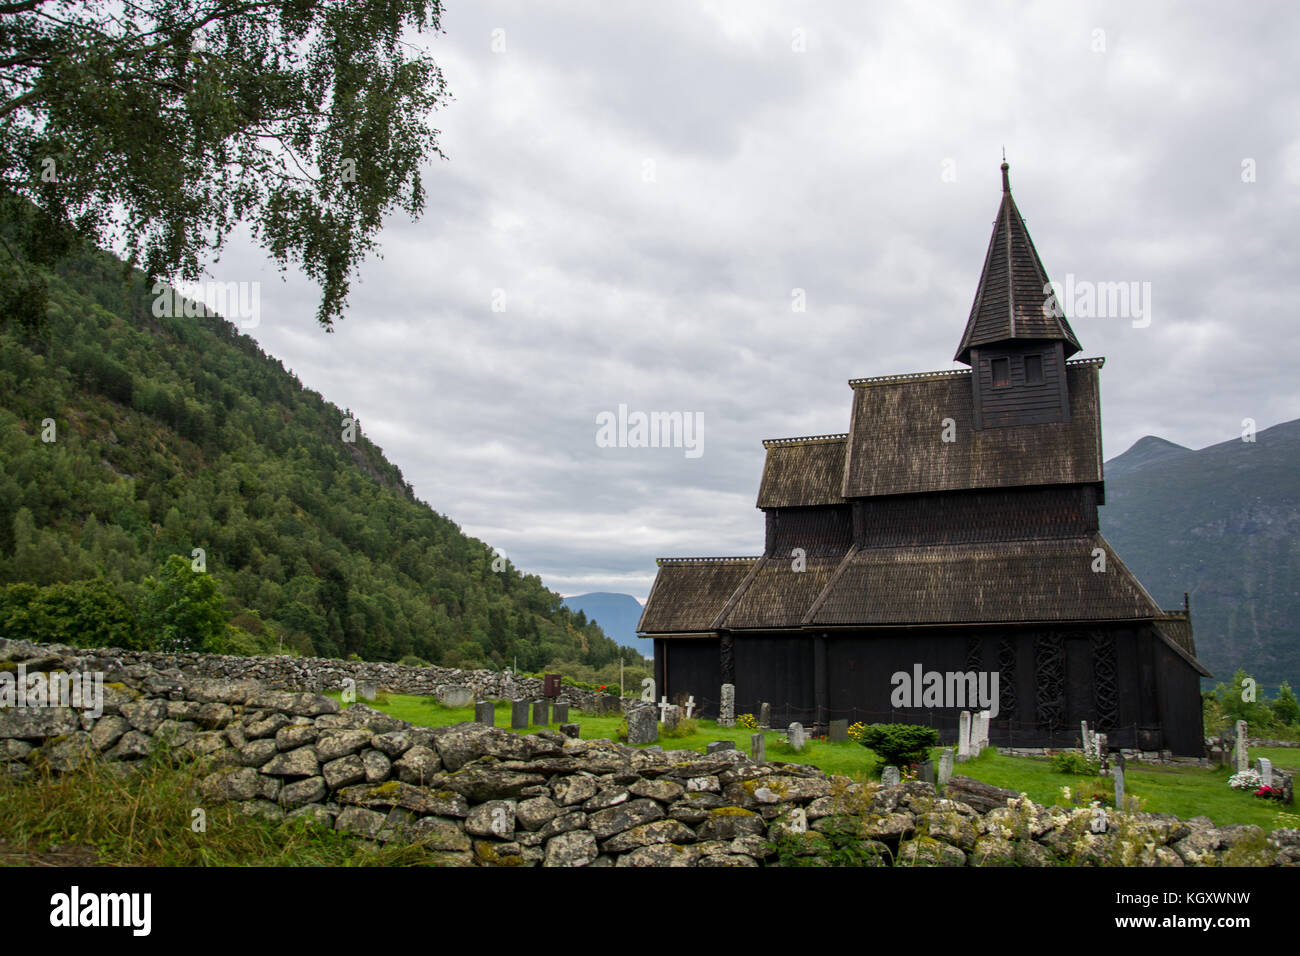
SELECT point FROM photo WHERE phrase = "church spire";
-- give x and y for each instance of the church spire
(1010, 299)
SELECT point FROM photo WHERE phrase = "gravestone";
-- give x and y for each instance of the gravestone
(716, 745)
(963, 737)
(796, 737)
(690, 706)
(457, 697)
(976, 735)
(1118, 774)
(984, 720)
(541, 712)
(727, 708)
(561, 712)
(945, 766)
(1243, 749)
(571, 730)
(925, 771)
(663, 706)
(758, 748)
(839, 730)
(642, 726)
(765, 716)
(1085, 741)
(484, 713)
(609, 703)
(1265, 767)
(367, 690)
(1103, 754)
(519, 714)
(1286, 789)
(672, 717)
(890, 776)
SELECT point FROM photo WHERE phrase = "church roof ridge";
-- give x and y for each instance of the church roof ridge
(733, 559)
(804, 440)
(1099, 361)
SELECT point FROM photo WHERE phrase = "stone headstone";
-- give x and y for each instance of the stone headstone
(716, 745)
(727, 708)
(642, 726)
(796, 737)
(765, 716)
(663, 706)
(367, 690)
(609, 703)
(561, 712)
(690, 706)
(976, 735)
(945, 766)
(519, 714)
(672, 717)
(1243, 749)
(1103, 753)
(457, 697)
(1118, 775)
(1265, 767)
(839, 730)
(541, 712)
(484, 713)
(963, 737)
(985, 720)
(890, 776)
(1287, 796)
(1083, 738)
(758, 748)
(925, 771)
(571, 730)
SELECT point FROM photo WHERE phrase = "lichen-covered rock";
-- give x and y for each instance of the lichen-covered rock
(438, 833)
(302, 792)
(255, 753)
(924, 851)
(661, 854)
(38, 723)
(534, 813)
(377, 766)
(726, 823)
(341, 743)
(481, 782)
(362, 822)
(392, 744)
(239, 783)
(418, 765)
(68, 753)
(578, 788)
(145, 715)
(495, 818)
(606, 823)
(648, 834)
(294, 736)
(604, 799)
(344, 771)
(574, 848)
(213, 715)
(665, 791)
(107, 731)
(267, 726)
(132, 746)
(293, 763)
(994, 850)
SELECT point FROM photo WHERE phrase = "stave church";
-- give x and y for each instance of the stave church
(952, 531)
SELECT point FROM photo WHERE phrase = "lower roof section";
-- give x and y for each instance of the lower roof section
(1075, 579)
(690, 593)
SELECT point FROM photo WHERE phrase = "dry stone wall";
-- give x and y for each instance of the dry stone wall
(478, 795)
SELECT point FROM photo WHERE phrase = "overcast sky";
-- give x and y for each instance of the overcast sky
(643, 186)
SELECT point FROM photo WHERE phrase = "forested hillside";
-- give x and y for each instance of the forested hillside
(176, 434)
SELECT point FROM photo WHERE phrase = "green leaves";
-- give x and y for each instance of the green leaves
(163, 127)
(183, 609)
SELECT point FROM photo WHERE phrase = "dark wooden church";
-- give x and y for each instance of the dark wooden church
(952, 530)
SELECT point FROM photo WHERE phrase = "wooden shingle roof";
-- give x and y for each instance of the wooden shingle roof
(689, 593)
(1047, 580)
(776, 595)
(799, 472)
(896, 445)
(1010, 298)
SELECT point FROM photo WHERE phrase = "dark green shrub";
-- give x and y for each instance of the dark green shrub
(1074, 763)
(900, 744)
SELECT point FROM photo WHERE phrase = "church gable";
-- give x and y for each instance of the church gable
(690, 593)
(800, 472)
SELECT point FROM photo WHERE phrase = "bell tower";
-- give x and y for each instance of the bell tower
(1017, 338)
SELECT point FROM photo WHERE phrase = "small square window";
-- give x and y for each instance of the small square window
(1033, 370)
(1001, 372)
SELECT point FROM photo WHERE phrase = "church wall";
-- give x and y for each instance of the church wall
(690, 667)
(780, 671)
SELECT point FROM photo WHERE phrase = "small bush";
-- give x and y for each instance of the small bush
(688, 727)
(900, 744)
(1074, 763)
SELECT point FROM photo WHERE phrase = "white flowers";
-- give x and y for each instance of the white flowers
(1246, 780)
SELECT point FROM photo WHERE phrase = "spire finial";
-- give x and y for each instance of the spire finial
(1006, 180)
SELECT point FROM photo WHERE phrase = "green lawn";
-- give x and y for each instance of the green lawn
(1187, 792)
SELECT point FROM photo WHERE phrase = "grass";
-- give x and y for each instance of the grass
(1185, 791)
(95, 815)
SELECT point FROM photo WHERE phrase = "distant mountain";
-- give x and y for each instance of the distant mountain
(1223, 524)
(617, 615)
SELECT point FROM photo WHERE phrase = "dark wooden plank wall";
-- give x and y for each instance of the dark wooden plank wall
(1020, 403)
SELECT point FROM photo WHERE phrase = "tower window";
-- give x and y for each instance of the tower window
(1033, 370)
(1001, 372)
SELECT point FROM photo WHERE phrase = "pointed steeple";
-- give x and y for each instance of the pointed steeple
(1009, 302)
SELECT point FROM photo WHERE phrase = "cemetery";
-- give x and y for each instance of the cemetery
(468, 780)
